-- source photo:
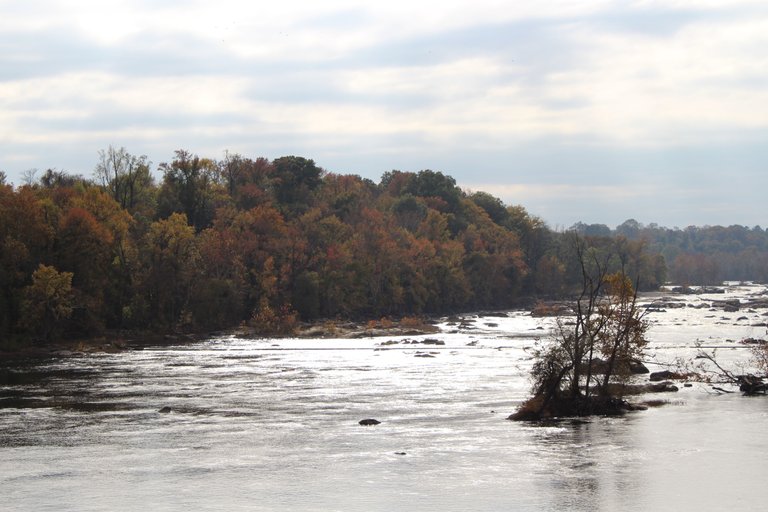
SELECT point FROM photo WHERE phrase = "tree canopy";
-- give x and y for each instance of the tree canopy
(216, 243)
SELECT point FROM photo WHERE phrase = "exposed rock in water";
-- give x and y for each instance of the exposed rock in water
(369, 422)
(666, 375)
(165, 410)
(494, 314)
(432, 341)
(638, 389)
(729, 306)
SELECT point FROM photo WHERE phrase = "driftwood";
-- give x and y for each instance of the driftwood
(751, 385)
(748, 384)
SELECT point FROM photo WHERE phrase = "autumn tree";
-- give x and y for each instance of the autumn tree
(493, 261)
(112, 256)
(83, 248)
(26, 240)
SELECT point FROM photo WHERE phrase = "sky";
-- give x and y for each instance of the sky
(591, 111)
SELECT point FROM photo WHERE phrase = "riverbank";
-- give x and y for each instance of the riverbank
(119, 341)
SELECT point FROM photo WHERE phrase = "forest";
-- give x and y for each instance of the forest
(698, 255)
(213, 244)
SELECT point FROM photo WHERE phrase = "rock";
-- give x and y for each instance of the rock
(495, 314)
(165, 410)
(655, 403)
(432, 341)
(662, 375)
(369, 422)
(729, 306)
(400, 453)
(637, 367)
(662, 387)
(637, 389)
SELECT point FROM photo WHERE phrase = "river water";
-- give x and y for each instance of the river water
(264, 425)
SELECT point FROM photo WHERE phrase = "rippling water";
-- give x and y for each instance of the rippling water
(273, 425)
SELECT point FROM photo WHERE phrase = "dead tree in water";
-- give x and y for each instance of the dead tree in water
(607, 323)
(748, 384)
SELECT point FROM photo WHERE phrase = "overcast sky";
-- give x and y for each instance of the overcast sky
(593, 111)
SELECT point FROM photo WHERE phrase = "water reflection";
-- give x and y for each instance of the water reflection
(587, 464)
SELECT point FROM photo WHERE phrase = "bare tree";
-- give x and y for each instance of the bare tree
(569, 379)
(28, 177)
(122, 174)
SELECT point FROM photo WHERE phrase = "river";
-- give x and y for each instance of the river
(264, 425)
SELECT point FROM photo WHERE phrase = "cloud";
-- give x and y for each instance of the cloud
(580, 94)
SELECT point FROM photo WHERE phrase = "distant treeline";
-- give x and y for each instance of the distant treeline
(220, 243)
(698, 255)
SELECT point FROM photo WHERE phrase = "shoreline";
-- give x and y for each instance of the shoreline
(117, 341)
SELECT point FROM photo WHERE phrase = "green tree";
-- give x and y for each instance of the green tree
(170, 267)
(48, 302)
(295, 180)
(190, 187)
(493, 206)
